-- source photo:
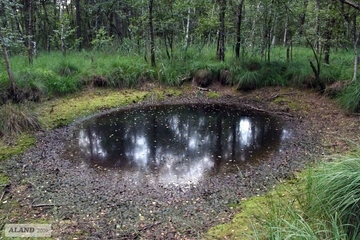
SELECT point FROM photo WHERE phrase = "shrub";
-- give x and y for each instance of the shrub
(248, 80)
(16, 119)
(66, 68)
(350, 98)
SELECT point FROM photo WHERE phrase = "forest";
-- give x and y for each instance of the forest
(257, 43)
(64, 61)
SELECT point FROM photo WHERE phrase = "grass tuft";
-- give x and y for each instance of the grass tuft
(336, 193)
(350, 98)
(16, 119)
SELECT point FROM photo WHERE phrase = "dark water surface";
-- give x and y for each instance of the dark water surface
(179, 143)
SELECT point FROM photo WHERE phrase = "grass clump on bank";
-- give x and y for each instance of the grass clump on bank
(16, 119)
(350, 98)
(322, 203)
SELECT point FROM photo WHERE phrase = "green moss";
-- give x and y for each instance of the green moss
(20, 144)
(3, 179)
(293, 104)
(62, 111)
(255, 211)
(213, 95)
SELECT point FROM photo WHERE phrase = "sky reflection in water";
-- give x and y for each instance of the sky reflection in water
(178, 144)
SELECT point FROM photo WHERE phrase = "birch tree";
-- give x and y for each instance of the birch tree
(187, 31)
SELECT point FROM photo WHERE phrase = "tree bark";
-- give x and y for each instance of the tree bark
(78, 23)
(253, 32)
(187, 32)
(62, 31)
(7, 63)
(221, 40)
(351, 3)
(302, 18)
(28, 22)
(356, 57)
(328, 35)
(151, 33)
(238, 28)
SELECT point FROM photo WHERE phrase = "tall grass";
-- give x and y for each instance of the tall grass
(16, 119)
(325, 206)
(350, 98)
(54, 74)
(336, 189)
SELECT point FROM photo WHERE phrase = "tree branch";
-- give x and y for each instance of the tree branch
(351, 3)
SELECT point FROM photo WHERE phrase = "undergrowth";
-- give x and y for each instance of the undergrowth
(54, 75)
(320, 203)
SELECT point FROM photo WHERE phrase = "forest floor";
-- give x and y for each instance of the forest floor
(89, 203)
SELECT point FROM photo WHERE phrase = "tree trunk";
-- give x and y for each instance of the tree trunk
(286, 29)
(221, 40)
(7, 63)
(187, 31)
(151, 33)
(316, 69)
(302, 18)
(28, 22)
(78, 23)
(253, 32)
(238, 28)
(62, 31)
(328, 37)
(118, 27)
(356, 57)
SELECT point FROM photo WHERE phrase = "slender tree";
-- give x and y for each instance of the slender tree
(28, 22)
(7, 63)
(356, 37)
(187, 31)
(221, 37)
(78, 23)
(239, 17)
(151, 34)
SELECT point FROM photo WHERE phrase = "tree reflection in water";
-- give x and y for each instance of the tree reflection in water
(181, 143)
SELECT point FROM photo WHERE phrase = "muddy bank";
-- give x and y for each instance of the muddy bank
(99, 203)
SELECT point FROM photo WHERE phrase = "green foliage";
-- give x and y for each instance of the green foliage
(101, 40)
(66, 68)
(127, 72)
(65, 33)
(296, 73)
(248, 80)
(350, 98)
(322, 202)
(336, 193)
(251, 74)
(16, 119)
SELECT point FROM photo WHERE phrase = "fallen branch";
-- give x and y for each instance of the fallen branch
(269, 112)
(203, 89)
(5, 190)
(2, 195)
(43, 205)
(149, 226)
